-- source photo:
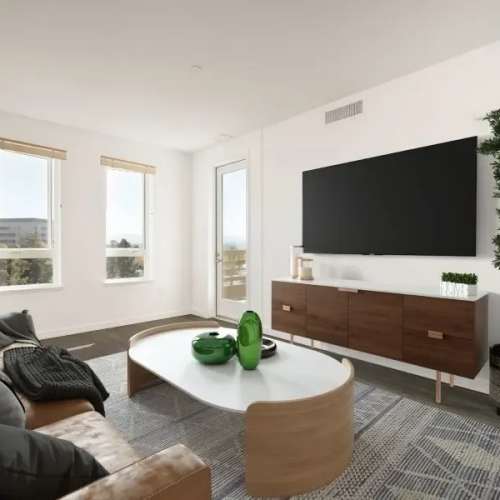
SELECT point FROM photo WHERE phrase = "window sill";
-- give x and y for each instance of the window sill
(30, 288)
(127, 281)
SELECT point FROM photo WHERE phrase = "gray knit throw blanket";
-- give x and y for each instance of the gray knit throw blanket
(52, 373)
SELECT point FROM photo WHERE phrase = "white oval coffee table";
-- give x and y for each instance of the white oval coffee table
(297, 404)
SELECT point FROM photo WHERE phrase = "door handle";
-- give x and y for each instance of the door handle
(432, 334)
(348, 290)
(286, 308)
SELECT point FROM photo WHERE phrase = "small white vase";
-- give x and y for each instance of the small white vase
(295, 251)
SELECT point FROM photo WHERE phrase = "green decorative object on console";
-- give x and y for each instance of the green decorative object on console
(249, 341)
(213, 348)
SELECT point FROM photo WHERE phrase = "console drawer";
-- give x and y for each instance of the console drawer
(449, 317)
(327, 314)
(289, 308)
(376, 323)
(451, 354)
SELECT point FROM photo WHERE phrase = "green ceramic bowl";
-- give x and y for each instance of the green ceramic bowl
(212, 348)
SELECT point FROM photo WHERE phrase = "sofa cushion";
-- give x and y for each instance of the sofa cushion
(92, 432)
(34, 465)
(11, 409)
(17, 326)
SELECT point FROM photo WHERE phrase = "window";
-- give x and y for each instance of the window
(29, 220)
(128, 224)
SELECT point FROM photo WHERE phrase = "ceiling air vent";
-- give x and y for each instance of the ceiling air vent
(334, 115)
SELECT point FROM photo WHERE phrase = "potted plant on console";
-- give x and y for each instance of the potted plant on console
(459, 284)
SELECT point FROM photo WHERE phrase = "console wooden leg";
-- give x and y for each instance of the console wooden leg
(438, 387)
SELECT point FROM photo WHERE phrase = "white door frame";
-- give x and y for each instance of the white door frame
(227, 309)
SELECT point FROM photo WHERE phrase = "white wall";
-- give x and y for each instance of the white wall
(84, 302)
(438, 104)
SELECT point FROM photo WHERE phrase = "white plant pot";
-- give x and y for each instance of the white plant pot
(449, 289)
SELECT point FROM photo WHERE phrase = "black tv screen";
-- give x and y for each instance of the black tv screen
(416, 202)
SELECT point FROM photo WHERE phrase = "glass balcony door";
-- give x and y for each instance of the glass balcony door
(232, 239)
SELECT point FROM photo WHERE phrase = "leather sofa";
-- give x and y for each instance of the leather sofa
(172, 474)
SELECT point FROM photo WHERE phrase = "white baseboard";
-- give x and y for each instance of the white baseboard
(478, 384)
(101, 325)
(201, 314)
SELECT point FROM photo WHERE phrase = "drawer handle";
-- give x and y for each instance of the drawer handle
(432, 334)
(286, 308)
(348, 290)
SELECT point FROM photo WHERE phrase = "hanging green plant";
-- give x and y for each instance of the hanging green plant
(491, 146)
(496, 261)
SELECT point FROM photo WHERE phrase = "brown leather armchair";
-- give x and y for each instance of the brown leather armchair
(174, 473)
(171, 474)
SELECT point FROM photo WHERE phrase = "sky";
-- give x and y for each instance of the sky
(125, 206)
(24, 194)
(234, 227)
(23, 188)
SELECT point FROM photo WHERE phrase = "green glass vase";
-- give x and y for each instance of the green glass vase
(212, 348)
(249, 341)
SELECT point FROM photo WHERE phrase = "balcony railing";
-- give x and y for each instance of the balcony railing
(234, 274)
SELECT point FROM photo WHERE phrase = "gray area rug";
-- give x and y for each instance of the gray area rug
(403, 448)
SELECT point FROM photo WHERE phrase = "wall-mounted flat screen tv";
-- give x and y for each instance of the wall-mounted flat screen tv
(416, 202)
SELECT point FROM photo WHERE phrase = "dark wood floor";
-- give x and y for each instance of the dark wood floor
(98, 343)
(468, 403)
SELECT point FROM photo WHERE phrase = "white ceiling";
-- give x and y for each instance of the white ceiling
(123, 67)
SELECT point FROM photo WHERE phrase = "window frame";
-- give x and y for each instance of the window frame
(146, 250)
(53, 250)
